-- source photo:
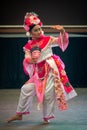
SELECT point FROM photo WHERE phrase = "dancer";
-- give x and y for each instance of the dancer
(48, 80)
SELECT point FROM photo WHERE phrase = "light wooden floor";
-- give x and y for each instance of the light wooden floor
(75, 118)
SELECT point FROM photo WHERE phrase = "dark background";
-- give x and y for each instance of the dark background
(66, 12)
(11, 69)
(51, 12)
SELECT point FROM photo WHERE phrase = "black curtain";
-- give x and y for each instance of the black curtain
(11, 69)
(11, 54)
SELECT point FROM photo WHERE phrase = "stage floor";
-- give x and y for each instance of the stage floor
(75, 118)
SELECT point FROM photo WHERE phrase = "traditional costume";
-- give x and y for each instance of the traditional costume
(47, 77)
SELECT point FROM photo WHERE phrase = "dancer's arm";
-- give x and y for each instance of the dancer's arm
(62, 40)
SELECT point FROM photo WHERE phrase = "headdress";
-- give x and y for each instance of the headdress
(31, 19)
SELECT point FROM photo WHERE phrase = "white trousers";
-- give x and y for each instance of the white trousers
(27, 94)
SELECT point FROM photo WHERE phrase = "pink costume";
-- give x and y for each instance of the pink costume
(48, 79)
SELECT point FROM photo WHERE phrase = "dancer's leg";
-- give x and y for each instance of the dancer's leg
(49, 100)
(25, 102)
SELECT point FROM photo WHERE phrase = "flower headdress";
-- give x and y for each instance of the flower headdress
(31, 19)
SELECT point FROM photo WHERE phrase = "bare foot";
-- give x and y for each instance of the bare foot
(46, 122)
(13, 118)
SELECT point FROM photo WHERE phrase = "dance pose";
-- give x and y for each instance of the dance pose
(48, 80)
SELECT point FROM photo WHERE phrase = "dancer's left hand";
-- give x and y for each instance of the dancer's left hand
(59, 28)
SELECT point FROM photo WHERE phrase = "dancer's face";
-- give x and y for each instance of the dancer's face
(36, 31)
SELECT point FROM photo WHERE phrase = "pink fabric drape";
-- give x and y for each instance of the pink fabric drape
(63, 41)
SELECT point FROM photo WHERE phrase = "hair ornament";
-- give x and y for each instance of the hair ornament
(31, 19)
